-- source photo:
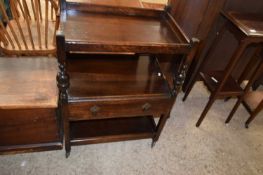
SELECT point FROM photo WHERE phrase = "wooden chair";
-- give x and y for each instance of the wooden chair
(31, 29)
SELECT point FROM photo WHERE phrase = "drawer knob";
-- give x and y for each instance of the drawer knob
(146, 107)
(94, 110)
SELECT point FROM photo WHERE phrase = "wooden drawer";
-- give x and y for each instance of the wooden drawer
(27, 130)
(9, 117)
(119, 108)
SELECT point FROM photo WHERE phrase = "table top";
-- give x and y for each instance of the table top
(113, 76)
(28, 83)
(102, 29)
(250, 24)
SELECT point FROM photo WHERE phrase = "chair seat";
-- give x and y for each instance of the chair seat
(28, 83)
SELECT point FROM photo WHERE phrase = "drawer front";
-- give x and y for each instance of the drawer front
(10, 117)
(121, 108)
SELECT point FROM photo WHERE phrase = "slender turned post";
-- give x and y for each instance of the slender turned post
(62, 76)
(63, 85)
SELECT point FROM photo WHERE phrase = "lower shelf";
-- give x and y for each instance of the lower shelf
(110, 130)
(231, 87)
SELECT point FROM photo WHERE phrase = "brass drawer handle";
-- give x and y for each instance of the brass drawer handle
(94, 110)
(146, 107)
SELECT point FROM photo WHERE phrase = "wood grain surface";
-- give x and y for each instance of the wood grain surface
(28, 83)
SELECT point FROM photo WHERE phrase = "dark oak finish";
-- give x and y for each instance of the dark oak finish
(21, 85)
(98, 131)
(146, 31)
(247, 30)
(105, 87)
(110, 82)
(105, 76)
(28, 102)
(230, 88)
(202, 19)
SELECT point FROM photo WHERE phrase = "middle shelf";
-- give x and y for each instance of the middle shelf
(115, 76)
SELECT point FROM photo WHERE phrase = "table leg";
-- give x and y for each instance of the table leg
(159, 129)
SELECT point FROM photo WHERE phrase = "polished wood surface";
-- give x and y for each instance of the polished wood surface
(128, 87)
(28, 102)
(196, 17)
(105, 87)
(228, 42)
(123, 29)
(230, 88)
(249, 23)
(115, 76)
(28, 130)
(28, 83)
(123, 107)
(223, 84)
(202, 19)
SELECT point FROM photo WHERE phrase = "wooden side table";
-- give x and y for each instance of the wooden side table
(248, 29)
(110, 82)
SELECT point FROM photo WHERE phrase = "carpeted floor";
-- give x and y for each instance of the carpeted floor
(183, 149)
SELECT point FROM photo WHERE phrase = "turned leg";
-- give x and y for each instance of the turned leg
(254, 114)
(207, 107)
(67, 137)
(159, 129)
(239, 101)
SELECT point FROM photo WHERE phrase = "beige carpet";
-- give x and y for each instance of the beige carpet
(183, 149)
